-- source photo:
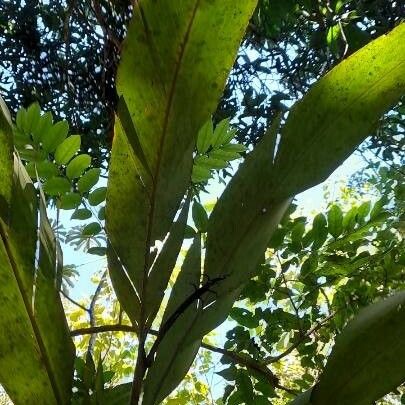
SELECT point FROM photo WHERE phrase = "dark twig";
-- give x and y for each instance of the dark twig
(91, 310)
(106, 30)
(318, 326)
(74, 302)
(194, 297)
(103, 329)
(236, 358)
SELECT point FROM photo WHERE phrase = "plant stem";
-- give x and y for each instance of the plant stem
(140, 369)
(139, 374)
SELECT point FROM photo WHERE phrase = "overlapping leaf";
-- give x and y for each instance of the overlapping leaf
(365, 363)
(174, 65)
(171, 74)
(243, 219)
(35, 347)
(174, 357)
(338, 112)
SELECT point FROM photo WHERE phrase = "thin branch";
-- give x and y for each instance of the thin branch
(318, 326)
(74, 302)
(296, 309)
(93, 302)
(194, 297)
(241, 359)
(292, 303)
(103, 329)
(244, 360)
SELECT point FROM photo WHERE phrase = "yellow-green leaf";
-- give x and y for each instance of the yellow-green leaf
(365, 363)
(175, 61)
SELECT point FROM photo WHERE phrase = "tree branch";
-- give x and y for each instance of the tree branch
(236, 358)
(192, 298)
(74, 302)
(91, 311)
(319, 325)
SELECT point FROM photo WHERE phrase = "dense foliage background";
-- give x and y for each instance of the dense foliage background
(64, 54)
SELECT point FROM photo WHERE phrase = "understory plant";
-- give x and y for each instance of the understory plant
(174, 64)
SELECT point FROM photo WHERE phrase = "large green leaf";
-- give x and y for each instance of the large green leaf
(303, 399)
(36, 350)
(339, 111)
(6, 161)
(175, 61)
(164, 264)
(320, 132)
(172, 72)
(368, 359)
(128, 297)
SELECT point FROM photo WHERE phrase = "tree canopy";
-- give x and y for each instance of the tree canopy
(64, 55)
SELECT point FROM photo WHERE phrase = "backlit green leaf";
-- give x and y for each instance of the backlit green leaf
(98, 251)
(173, 357)
(6, 158)
(82, 214)
(88, 180)
(69, 201)
(223, 134)
(224, 155)
(55, 136)
(205, 137)
(163, 266)
(44, 169)
(57, 186)
(244, 317)
(97, 196)
(21, 120)
(33, 116)
(43, 127)
(200, 174)
(335, 221)
(200, 217)
(210, 162)
(91, 229)
(363, 365)
(168, 103)
(101, 214)
(41, 345)
(67, 149)
(349, 100)
(77, 166)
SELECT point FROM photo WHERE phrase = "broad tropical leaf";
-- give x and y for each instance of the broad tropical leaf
(164, 263)
(174, 64)
(340, 110)
(172, 73)
(118, 395)
(6, 159)
(35, 347)
(249, 211)
(366, 361)
(303, 399)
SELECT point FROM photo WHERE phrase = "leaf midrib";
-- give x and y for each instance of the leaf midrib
(163, 137)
